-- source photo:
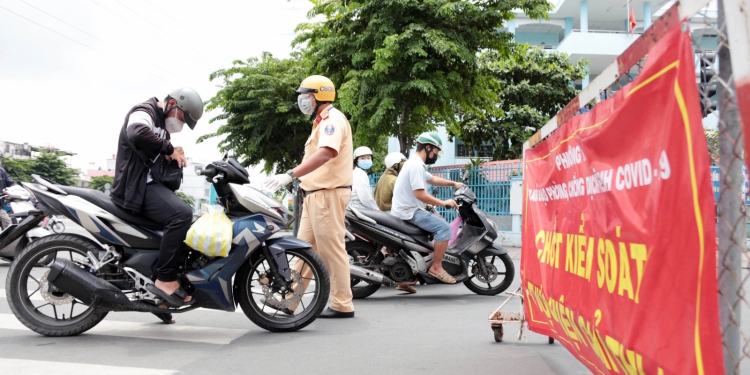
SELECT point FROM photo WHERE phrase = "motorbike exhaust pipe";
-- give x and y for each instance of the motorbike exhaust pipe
(369, 275)
(91, 290)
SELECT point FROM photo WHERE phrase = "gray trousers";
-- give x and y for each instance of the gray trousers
(4, 219)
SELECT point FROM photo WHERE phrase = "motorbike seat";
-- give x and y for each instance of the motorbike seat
(390, 221)
(103, 201)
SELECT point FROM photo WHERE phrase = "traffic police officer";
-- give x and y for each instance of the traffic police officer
(326, 179)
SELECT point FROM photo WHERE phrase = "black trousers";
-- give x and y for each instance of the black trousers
(166, 208)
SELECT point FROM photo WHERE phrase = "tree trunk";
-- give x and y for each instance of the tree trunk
(404, 141)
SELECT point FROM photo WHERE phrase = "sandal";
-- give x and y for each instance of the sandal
(443, 276)
(176, 299)
(407, 288)
(165, 317)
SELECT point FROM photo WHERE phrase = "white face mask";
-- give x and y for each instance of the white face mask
(173, 125)
(304, 101)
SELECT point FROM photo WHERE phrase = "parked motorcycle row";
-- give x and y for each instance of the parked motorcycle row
(86, 257)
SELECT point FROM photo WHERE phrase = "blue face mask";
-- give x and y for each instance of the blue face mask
(365, 164)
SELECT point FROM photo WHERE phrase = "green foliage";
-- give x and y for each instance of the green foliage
(19, 169)
(259, 104)
(403, 66)
(531, 85)
(49, 165)
(52, 167)
(97, 183)
(186, 198)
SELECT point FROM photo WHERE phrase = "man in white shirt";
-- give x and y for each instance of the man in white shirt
(410, 197)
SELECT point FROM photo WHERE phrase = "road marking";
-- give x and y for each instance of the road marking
(29, 367)
(150, 331)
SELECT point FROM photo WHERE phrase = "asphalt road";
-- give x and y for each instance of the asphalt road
(439, 330)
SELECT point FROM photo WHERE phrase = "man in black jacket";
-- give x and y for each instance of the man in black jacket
(147, 127)
(5, 181)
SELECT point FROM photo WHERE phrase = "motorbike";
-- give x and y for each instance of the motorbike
(389, 251)
(18, 200)
(85, 282)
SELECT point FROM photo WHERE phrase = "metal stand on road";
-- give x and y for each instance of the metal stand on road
(497, 318)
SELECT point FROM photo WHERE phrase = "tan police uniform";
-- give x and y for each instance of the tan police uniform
(328, 191)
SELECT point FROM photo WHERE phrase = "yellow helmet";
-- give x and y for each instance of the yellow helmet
(321, 87)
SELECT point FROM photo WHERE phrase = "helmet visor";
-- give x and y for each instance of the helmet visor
(190, 120)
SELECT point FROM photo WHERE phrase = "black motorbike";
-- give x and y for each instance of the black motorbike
(85, 282)
(388, 251)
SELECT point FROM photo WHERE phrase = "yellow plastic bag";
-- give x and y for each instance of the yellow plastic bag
(211, 234)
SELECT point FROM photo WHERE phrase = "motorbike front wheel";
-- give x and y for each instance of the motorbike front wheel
(293, 307)
(498, 275)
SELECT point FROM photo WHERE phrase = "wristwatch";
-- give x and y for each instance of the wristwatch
(291, 174)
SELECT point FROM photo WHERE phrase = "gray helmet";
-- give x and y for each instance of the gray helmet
(189, 102)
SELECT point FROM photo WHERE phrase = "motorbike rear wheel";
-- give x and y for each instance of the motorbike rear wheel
(254, 301)
(500, 268)
(35, 302)
(356, 249)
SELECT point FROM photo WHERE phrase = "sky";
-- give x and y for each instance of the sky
(70, 70)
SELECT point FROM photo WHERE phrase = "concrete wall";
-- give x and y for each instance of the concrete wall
(510, 231)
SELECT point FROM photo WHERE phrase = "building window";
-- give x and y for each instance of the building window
(484, 151)
(206, 192)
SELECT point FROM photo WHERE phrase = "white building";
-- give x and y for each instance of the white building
(596, 30)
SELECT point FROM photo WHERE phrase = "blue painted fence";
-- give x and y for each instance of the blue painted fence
(490, 183)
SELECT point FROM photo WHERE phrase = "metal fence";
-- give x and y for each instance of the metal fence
(713, 24)
(490, 183)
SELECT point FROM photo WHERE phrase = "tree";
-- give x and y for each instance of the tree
(531, 86)
(98, 182)
(19, 169)
(187, 198)
(259, 104)
(49, 165)
(402, 65)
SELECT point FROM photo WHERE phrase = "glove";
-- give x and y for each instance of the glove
(277, 182)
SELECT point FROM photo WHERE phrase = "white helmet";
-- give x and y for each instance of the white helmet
(361, 151)
(393, 158)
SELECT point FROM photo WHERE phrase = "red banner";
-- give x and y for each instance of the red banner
(619, 233)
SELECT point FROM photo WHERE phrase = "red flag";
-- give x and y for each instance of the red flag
(632, 20)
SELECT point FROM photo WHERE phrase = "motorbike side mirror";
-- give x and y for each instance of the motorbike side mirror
(434, 191)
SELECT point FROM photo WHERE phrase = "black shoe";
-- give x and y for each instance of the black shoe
(330, 313)
(165, 317)
(285, 310)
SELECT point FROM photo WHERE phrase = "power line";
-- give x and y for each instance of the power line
(123, 19)
(166, 32)
(188, 29)
(103, 41)
(85, 45)
(93, 36)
